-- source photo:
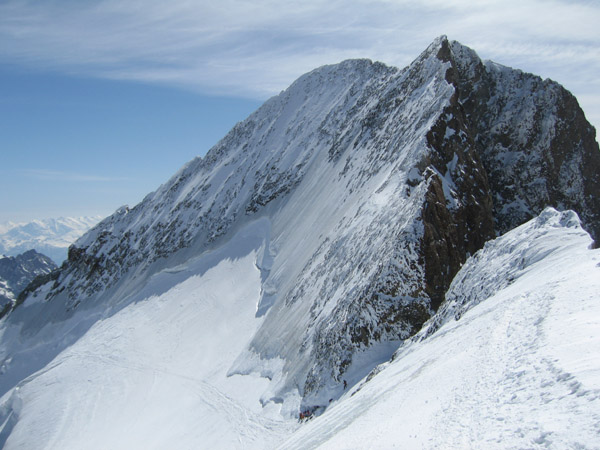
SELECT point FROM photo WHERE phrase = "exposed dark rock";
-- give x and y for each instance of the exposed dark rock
(536, 145)
(38, 281)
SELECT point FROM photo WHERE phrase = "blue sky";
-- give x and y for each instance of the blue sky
(101, 101)
(74, 146)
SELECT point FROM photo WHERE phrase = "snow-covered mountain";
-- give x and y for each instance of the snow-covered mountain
(17, 272)
(50, 237)
(271, 276)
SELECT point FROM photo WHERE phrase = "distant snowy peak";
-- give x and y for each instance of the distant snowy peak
(51, 237)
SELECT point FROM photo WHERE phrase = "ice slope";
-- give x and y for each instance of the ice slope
(513, 362)
(153, 374)
(50, 237)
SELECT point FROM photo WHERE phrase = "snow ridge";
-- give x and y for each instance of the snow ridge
(480, 277)
(518, 367)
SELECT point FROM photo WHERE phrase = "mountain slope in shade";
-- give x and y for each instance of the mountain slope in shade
(348, 203)
(513, 361)
(50, 237)
(536, 145)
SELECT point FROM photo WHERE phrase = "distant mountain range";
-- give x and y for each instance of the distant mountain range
(50, 237)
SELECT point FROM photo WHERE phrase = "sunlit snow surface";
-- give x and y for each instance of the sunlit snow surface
(519, 369)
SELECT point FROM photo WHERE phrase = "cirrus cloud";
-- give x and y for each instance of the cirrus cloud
(256, 49)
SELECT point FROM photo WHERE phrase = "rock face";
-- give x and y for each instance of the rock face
(377, 184)
(16, 272)
(536, 145)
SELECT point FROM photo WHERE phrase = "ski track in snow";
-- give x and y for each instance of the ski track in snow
(518, 370)
(248, 423)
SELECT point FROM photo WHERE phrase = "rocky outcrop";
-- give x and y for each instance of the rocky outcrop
(520, 144)
(535, 143)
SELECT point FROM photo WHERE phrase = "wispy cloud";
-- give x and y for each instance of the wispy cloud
(258, 48)
(53, 175)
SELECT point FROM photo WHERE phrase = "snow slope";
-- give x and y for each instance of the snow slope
(50, 237)
(153, 375)
(520, 367)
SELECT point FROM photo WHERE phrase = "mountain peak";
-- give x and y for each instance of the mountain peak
(438, 43)
(323, 231)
